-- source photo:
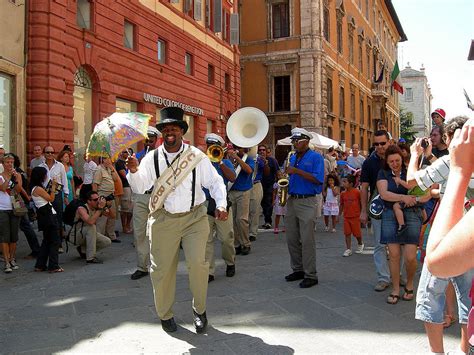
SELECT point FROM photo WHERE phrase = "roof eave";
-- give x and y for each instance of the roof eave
(398, 25)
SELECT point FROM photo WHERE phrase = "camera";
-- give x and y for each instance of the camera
(49, 186)
(110, 197)
(425, 143)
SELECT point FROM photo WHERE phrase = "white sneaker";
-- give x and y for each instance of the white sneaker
(334, 230)
(326, 229)
(14, 265)
(8, 268)
(348, 252)
(360, 249)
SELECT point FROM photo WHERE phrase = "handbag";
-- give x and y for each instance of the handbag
(19, 207)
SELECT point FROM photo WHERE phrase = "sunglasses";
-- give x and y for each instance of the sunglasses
(381, 143)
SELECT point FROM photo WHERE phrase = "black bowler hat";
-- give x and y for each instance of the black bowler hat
(174, 116)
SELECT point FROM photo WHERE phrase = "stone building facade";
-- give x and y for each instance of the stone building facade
(12, 77)
(88, 59)
(416, 99)
(314, 63)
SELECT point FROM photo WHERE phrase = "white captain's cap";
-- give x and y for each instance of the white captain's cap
(212, 138)
(152, 131)
(300, 133)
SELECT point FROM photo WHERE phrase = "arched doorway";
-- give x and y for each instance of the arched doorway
(82, 116)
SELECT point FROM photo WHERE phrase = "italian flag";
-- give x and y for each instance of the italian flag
(395, 77)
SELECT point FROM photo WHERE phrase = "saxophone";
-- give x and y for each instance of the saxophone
(284, 182)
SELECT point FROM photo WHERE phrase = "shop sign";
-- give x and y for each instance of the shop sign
(158, 100)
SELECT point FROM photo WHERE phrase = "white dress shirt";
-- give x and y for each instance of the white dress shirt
(179, 200)
(89, 171)
(58, 173)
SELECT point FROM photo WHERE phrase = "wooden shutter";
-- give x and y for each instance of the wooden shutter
(234, 29)
(217, 16)
(197, 10)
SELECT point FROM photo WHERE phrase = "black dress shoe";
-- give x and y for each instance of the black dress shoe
(230, 271)
(94, 261)
(245, 250)
(238, 250)
(298, 275)
(138, 275)
(200, 322)
(169, 325)
(306, 283)
(252, 238)
(210, 278)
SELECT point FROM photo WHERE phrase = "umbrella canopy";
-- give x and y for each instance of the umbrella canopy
(318, 140)
(117, 132)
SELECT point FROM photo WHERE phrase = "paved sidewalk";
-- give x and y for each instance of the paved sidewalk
(98, 309)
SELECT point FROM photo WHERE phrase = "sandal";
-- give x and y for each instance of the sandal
(60, 269)
(449, 320)
(39, 269)
(393, 299)
(408, 295)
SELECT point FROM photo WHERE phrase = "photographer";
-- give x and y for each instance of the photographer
(434, 147)
(104, 183)
(85, 231)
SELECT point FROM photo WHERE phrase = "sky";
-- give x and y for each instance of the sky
(439, 36)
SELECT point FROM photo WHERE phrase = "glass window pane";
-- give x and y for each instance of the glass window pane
(122, 105)
(161, 51)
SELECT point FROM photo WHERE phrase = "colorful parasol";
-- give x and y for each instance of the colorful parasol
(117, 132)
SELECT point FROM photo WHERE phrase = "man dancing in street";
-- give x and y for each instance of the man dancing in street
(178, 214)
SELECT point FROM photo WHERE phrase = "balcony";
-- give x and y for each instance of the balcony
(380, 90)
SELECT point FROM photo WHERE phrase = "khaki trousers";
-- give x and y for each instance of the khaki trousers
(225, 233)
(106, 225)
(240, 205)
(299, 221)
(90, 240)
(167, 231)
(256, 195)
(142, 240)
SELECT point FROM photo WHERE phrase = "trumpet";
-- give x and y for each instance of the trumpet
(215, 153)
(284, 182)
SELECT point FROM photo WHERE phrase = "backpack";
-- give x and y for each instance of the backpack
(69, 213)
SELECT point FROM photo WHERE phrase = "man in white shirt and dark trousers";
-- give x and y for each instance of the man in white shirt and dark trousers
(178, 214)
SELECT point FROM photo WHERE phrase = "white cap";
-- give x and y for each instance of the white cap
(152, 131)
(300, 133)
(212, 138)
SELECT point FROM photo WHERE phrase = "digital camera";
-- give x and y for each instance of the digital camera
(110, 197)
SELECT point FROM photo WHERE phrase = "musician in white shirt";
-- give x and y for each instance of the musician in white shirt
(182, 219)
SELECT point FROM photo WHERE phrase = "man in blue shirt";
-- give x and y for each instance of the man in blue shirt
(239, 195)
(150, 142)
(368, 180)
(306, 171)
(223, 228)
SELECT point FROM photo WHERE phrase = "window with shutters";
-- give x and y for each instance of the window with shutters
(327, 26)
(280, 19)
(83, 16)
(227, 84)
(129, 35)
(339, 36)
(361, 66)
(210, 74)
(341, 102)
(198, 10)
(330, 99)
(188, 64)
(209, 19)
(226, 25)
(361, 111)
(353, 107)
(282, 93)
(189, 7)
(409, 94)
(351, 47)
(161, 51)
(234, 29)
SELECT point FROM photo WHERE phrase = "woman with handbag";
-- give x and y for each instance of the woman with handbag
(10, 187)
(47, 221)
(391, 192)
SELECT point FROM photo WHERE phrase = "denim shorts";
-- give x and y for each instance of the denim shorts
(413, 220)
(431, 297)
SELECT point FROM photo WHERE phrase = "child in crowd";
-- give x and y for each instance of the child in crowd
(280, 211)
(350, 207)
(398, 206)
(331, 205)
